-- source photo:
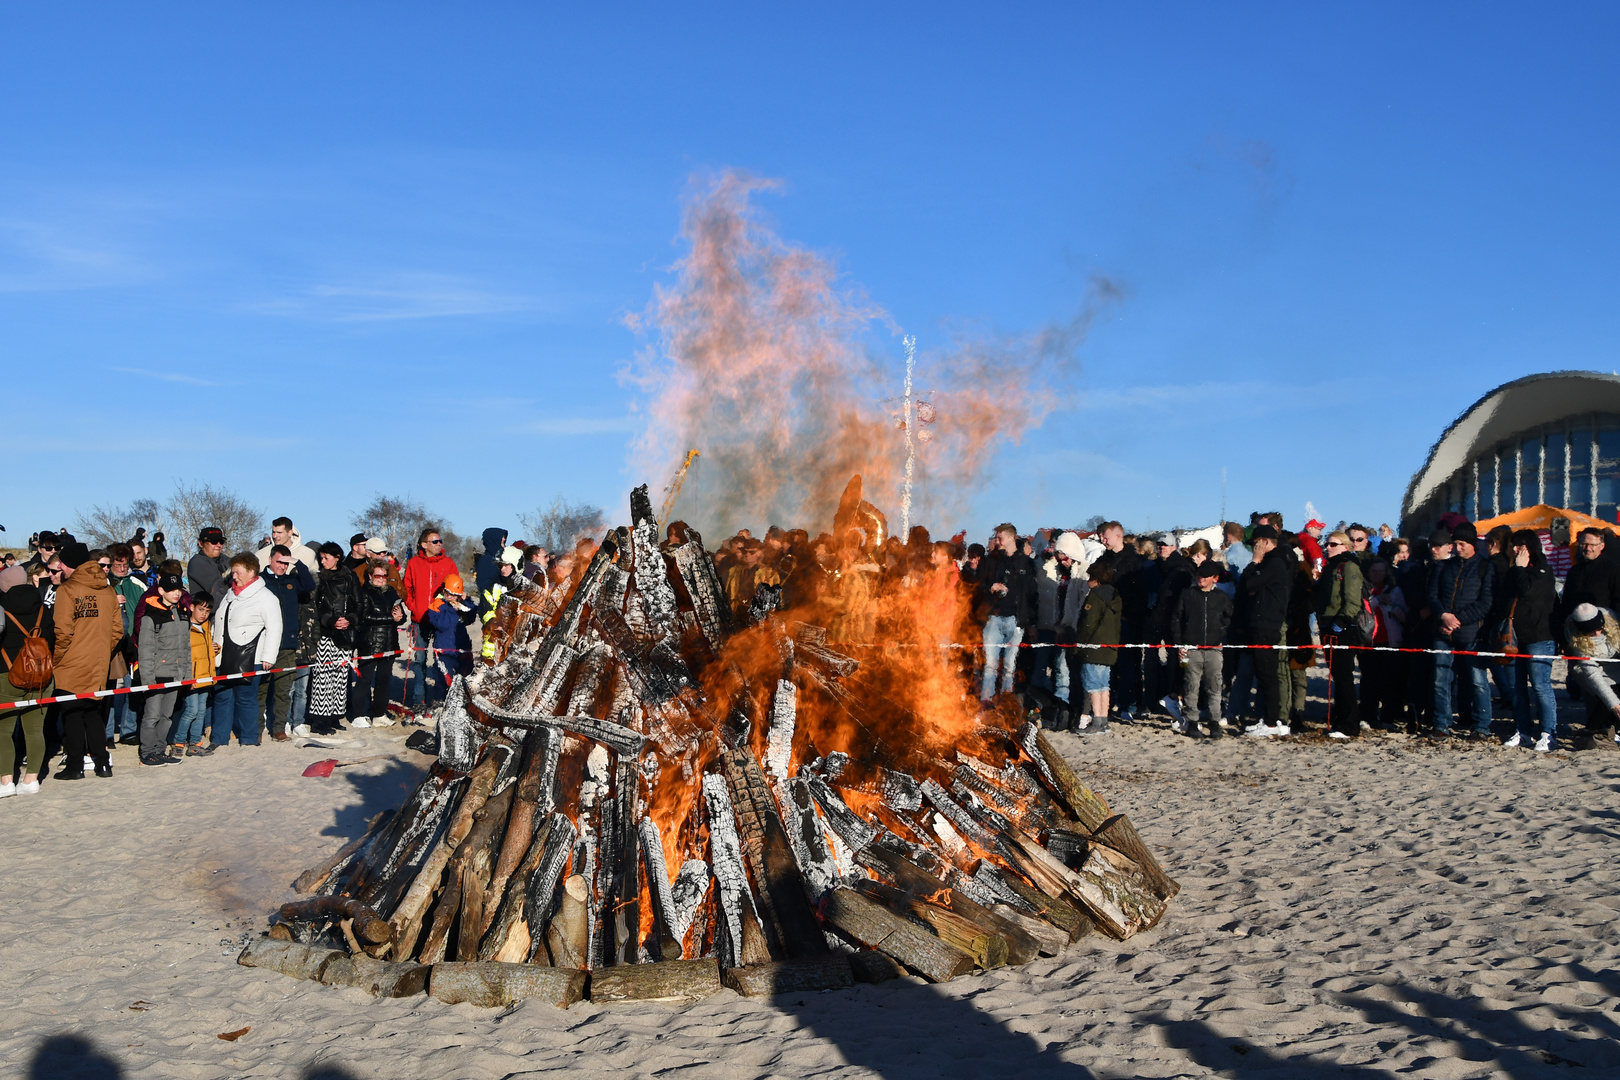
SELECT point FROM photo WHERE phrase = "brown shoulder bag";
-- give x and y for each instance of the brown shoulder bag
(32, 669)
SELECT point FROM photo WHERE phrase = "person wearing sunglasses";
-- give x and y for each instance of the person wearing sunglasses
(291, 583)
(1338, 603)
(382, 613)
(426, 571)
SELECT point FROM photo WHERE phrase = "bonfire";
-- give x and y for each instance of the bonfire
(649, 795)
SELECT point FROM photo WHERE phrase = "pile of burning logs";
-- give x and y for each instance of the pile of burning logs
(643, 800)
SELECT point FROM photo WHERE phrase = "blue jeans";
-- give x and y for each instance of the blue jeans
(1479, 682)
(1535, 677)
(236, 706)
(188, 716)
(415, 689)
(300, 698)
(123, 718)
(1002, 636)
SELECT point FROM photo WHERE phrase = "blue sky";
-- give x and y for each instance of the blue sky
(317, 254)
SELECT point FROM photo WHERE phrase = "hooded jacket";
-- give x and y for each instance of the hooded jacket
(24, 604)
(165, 642)
(301, 552)
(423, 576)
(249, 613)
(488, 566)
(203, 664)
(1462, 587)
(89, 627)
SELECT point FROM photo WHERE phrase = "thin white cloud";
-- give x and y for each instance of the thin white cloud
(412, 296)
(165, 376)
(580, 425)
(37, 256)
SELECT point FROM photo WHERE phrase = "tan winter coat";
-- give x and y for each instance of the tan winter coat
(89, 626)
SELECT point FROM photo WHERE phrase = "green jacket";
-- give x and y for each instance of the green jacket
(1101, 618)
(131, 588)
(1338, 590)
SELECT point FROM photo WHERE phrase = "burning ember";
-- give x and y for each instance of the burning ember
(649, 789)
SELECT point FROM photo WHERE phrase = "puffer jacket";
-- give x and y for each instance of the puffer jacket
(378, 630)
(250, 615)
(338, 597)
(203, 652)
(89, 627)
(165, 649)
(1462, 587)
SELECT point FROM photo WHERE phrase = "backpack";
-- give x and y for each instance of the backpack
(32, 669)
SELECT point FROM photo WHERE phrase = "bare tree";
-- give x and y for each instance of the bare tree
(195, 507)
(399, 521)
(103, 525)
(561, 525)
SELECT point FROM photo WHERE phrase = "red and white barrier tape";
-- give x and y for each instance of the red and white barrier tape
(213, 680)
(1281, 648)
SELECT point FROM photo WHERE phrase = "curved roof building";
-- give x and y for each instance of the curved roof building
(1552, 439)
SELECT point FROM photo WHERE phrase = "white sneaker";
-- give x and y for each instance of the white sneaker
(382, 721)
(1365, 726)
(1259, 731)
(1223, 722)
(1082, 723)
(89, 762)
(360, 721)
(1516, 741)
(29, 787)
(1339, 735)
(7, 789)
(1543, 744)
(301, 730)
(1279, 731)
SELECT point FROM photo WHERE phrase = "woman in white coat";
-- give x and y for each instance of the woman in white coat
(247, 629)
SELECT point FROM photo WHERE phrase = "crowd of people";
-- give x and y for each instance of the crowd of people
(1216, 635)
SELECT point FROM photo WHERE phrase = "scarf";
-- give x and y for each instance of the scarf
(236, 590)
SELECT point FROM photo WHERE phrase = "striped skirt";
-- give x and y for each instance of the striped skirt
(329, 683)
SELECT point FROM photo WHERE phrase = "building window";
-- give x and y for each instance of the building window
(1580, 470)
(1507, 480)
(1552, 473)
(1608, 473)
(1530, 472)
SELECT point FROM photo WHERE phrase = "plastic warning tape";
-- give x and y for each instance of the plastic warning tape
(215, 679)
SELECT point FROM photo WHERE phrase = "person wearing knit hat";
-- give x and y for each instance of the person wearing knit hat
(1460, 593)
(1594, 635)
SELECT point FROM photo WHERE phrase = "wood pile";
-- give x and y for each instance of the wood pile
(642, 799)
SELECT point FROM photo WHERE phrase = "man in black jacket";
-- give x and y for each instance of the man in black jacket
(291, 583)
(1594, 579)
(1460, 596)
(1126, 565)
(1006, 590)
(1262, 617)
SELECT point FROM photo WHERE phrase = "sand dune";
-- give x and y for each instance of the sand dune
(1377, 907)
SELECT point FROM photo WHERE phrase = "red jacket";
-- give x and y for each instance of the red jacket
(423, 576)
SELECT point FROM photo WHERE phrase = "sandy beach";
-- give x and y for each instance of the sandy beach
(1380, 907)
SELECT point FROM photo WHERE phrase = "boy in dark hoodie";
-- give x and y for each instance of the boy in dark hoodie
(1200, 617)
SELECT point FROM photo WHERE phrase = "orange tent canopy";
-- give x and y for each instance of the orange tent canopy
(1541, 517)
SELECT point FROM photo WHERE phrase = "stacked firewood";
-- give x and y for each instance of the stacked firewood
(600, 821)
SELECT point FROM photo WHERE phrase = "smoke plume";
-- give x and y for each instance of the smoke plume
(767, 364)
